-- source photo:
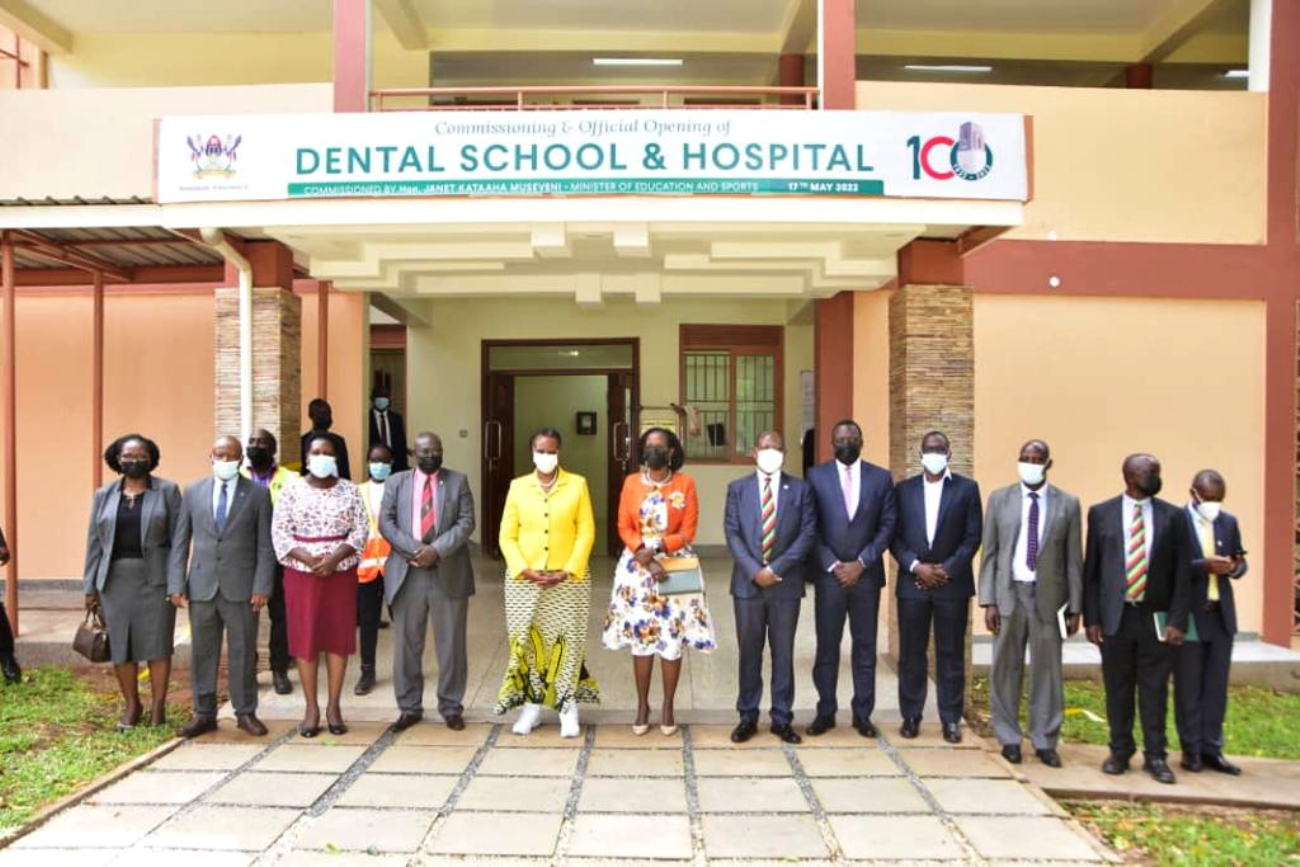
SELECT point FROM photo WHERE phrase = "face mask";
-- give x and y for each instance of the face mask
(1032, 474)
(770, 461)
(134, 469)
(322, 466)
(1209, 511)
(225, 470)
(656, 457)
(379, 472)
(545, 463)
(1150, 486)
(322, 422)
(429, 464)
(259, 456)
(934, 463)
(847, 453)
(381, 403)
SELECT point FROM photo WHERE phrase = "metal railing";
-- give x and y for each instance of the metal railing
(580, 97)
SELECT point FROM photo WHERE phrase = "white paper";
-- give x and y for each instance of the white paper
(1060, 620)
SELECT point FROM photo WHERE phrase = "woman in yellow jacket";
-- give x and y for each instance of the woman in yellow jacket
(547, 532)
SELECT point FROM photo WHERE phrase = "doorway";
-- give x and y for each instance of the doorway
(588, 390)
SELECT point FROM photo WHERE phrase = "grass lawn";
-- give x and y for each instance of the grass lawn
(57, 732)
(1260, 722)
(1146, 833)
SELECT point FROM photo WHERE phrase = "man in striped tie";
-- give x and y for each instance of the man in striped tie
(1136, 580)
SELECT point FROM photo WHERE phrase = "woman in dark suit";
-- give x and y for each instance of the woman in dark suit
(127, 547)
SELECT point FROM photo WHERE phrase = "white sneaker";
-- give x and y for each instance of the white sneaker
(569, 727)
(529, 718)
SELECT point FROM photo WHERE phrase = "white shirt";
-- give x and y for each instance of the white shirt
(776, 490)
(850, 486)
(1020, 570)
(216, 495)
(376, 491)
(1148, 520)
(381, 422)
(933, 494)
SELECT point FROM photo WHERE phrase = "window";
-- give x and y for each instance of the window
(731, 380)
(22, 64)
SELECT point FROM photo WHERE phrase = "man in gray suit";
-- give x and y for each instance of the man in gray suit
(1031, 567)
(427, 516)
(226, 582)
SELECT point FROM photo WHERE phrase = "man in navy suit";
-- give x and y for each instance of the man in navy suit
(1201, 667)
(855, 524)
(939, 525)
(770, 529)
(1135, 571)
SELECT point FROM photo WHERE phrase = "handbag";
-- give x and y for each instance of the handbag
(91, 640)
(684, 576)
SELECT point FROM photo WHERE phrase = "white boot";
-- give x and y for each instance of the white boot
(529, 717)
(569, 727)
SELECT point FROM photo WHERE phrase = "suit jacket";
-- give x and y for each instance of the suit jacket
(956, 536)
(396, 437)
(451, 532)
(1227, 542)
(1169, 561)
(867, 535)
(796, 533)
(1059, 570)
(238, 561)
(553, 531)
(161, 505)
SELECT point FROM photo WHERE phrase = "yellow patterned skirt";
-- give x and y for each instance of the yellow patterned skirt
(548, 646)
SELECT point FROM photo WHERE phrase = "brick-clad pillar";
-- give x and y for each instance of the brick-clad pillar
(277, 368)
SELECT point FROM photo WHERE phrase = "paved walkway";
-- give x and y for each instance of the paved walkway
(433, 796)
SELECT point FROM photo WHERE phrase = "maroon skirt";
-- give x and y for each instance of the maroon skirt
(321, 613)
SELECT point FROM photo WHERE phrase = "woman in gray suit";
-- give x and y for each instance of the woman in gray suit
(127, 546)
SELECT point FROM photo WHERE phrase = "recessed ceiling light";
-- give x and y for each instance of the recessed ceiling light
(636, 61)
(1237, 73)
(946, 67)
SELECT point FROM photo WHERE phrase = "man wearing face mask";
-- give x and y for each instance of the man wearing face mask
(856, 514)
(771, 526)
(427, 515)
(1032, 565)
(322, 419)
(939, 523)
(1201, 667)
(266, 472)
(225, 583)
(370, 571)
(1136, 580)
(387, 427)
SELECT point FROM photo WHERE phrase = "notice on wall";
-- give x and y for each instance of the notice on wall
(577, 153)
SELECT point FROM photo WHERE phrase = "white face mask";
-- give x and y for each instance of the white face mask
(322, 466)
(770, 461)
(545, 462)
(1209, 511)
(934, 463)
(225, 470)
(1032, 474)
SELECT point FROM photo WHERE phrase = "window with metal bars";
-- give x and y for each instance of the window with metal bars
(731, 382)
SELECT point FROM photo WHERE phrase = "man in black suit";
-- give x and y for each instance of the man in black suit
(770, 528)
(322, 419)
(388, 427)
(1135, 604)
(1201, 667)
(854, 500)
(939, 524)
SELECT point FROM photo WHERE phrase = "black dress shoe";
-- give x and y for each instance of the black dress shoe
(1011, 752)
(744, 731)
(249, 724)
(787, 734)
(821, 725)
(1114, 765)
(454, 721)
(406, 720)
(1049, 757)
(1192, 763)
(199, 725)
(12, 670)
(1159, 770)
(952, 733)
(308, 731)
(911, 727)
(865, 727)
(1216, 762)
(280, 680)
(365, 683)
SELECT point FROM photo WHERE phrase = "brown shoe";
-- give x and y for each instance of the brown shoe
(248, 723)
(454, 721)
(198, 725)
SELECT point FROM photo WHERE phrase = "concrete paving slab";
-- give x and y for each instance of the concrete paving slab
(304, 858)
(360, 734)
(435, 734)
(540, 762)
(14, 857)
(521, 794)
(847, 763)
(614, 795)
(196, 756)
(889, 838)
(247, 829)
(613, 736)
(158, 787)
(1027, 838)
(986, 796)
(635, 763)
(741, 763)
(880, 795)
(270, 789)
(361, 830)
(497, 834)
(409, 791)
(424, 760)
(779, 838)
(954, 763)
(636, 838)
(310, 759)
(101, 827)
(931, 735)
(188, 857)
(741, 795)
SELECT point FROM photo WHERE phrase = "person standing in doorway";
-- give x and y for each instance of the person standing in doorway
(264, 471)
(1031, 568)
(856, 514)
(427, 516)
(939, 523)
(370, 571)
(9, 667)
(771, 526)
(322, 419)
(388, 428)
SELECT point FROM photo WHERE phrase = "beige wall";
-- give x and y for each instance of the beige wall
(871, 373)
(444, 368)
(1123, 165)
(349, 353)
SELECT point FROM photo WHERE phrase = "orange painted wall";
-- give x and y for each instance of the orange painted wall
(349, 352)
(871, 373)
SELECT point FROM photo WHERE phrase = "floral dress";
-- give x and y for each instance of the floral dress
(640, 617)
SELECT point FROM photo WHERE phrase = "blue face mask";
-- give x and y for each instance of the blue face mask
(381, 403)
(379, 472)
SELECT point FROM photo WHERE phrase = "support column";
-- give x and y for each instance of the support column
(837, 53)
(97, 383)
(789, 73)
(323, 339)
(1139, 76)
(832, 367)
(351, 55)
(8, 278)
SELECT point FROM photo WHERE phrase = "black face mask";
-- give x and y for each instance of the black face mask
(134, 469)
(656, 457)
(429, 464)
(1150, 486)
(259, 456)
(847, 453)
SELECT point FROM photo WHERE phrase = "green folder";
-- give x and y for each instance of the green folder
(684, 576)
(1162, 620)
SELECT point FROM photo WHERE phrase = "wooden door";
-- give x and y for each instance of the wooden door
(498, 454)
(623, 458)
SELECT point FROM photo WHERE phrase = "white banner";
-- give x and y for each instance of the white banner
(595, 152)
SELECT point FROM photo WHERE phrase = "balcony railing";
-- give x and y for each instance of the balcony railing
(592, 97)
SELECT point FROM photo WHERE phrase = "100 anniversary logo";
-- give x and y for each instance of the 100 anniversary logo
(969, 156)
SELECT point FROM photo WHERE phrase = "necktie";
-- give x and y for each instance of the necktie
(769, 521)
(222, 505)
(1031, 546)
(426, 510)
(850, 506)
(383, 429)
(1137, 557)
(1206, 532)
